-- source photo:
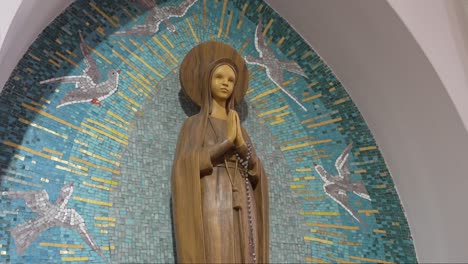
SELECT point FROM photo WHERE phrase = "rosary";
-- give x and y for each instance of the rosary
(244, 174)
(245, 166)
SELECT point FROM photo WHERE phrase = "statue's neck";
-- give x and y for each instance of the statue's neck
(218, 109)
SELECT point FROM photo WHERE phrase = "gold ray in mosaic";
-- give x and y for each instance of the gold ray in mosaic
(326, 122)
(320, 213)
(141, 60)
(92, 201)
(102, 13)
(97, 186)
(75, 259)
(59, 245)
(316, 260)
(315, 239)
(59, 120)
(371, 260)
(103, 133)
(90, 164)
(306, 144)
(192, 31)
(165, 49)
(323, 225)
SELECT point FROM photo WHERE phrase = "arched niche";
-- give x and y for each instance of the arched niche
(119, 155)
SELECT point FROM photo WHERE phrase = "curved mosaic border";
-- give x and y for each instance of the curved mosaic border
(43, 147)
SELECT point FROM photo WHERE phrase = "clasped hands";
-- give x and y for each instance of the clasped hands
(234, 131)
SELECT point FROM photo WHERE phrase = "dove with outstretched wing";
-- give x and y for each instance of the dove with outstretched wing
(50, 215)
(87, 86)
(337, 187)
(155, 16)
(274, 67)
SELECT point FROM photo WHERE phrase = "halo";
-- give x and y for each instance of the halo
(199, 60)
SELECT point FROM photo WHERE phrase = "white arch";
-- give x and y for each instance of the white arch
(404, 65)
(21, 21)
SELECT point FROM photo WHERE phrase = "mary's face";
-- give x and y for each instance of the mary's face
(222, 82)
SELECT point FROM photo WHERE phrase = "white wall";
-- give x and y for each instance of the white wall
(7, 12)
(30, 18)
(440, 30)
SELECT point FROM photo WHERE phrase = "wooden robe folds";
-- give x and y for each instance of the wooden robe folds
(209, 196)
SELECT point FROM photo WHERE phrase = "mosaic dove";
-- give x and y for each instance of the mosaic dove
(274, 67)
(336, 187)
(88, 87)
(50, 215)
(155, 16)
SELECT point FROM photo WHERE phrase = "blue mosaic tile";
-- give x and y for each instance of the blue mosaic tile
(119, 156)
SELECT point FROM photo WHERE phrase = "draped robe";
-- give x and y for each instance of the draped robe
(209, 197)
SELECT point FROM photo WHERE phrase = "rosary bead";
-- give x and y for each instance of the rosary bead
(245, 164)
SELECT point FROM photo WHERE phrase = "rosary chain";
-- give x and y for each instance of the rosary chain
(244, 173)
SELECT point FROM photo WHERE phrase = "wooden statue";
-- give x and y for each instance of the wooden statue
(219, 187)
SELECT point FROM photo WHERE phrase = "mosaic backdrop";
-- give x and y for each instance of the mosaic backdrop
(90, 118)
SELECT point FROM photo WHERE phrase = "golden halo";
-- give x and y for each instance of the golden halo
(200, 59)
